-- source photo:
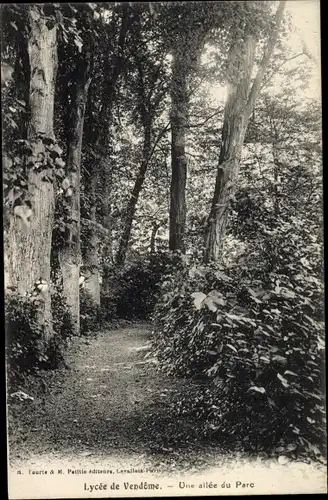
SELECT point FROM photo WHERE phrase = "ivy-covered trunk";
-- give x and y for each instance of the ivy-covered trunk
(70, 254)
(179, 112)
(31, 226)
(238, 109)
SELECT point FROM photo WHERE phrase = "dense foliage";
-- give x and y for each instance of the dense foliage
(262, 349)
(254, 325)
(24, 350)
(134, 290)
(91, 316)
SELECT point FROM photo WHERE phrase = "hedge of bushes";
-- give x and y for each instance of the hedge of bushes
(25, 350)
(261, 350)
(91, 314)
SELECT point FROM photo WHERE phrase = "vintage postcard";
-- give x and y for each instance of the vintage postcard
(163, 249)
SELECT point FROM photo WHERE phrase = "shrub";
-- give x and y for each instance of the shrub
(90, 314)
(133, 290)
(261, 350)
(25, 350)
(22, 335)
(108, 306)
(63, 331)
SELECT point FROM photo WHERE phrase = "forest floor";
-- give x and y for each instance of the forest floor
(110, 407)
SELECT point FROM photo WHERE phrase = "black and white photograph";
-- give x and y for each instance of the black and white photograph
(163, 249)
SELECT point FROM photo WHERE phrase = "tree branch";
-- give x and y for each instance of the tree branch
(158, 138)
(265, 59)
(201, 124)
(280, 65)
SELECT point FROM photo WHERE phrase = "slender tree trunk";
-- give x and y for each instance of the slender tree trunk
(179, 112)
(238, 109)
(233, 133)
(30, 237)
(91, 257)
(155, 228)
(131, 208)
(107, 211)
(114, 70)
(70, 255)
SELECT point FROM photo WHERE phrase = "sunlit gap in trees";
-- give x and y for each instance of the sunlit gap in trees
(217, 90)
(303, 41)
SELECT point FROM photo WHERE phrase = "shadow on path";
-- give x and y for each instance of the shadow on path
(111, 400)
(113, 410)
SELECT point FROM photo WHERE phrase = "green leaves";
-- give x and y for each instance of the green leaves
(79, 43)
(284, 382)
(261, 390)
(21, 396)
(260, 356)
(213, 300)
(24, 347)
(34, 13)
(65, 183)
(13, 195)
(55, 151)
(280, 359)
(288, 372)
(199, 298)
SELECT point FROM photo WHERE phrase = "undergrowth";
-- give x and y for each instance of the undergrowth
(27, 350)
(260, 349)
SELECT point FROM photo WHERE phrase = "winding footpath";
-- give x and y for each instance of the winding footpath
(94, 414)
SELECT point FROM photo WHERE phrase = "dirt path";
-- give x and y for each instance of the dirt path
(102, 410)
(102, 405)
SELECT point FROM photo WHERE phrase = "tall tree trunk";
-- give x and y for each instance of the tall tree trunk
(105, 171)
(131, 208)
(91, 257)
(90, 268)
(114, 70)
(233, 133)
(179, 112)
(239, 107)
(70, 255)
(100, 144)
(30, 234)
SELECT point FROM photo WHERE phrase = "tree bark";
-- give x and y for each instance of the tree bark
(107, 221)
(70, 255)
(131, 208)
(114, 70)
(155, 228)
(100, 144)
(239, 107)
(30, 237)
(179, 111)
(91, 258)
(233, 133)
